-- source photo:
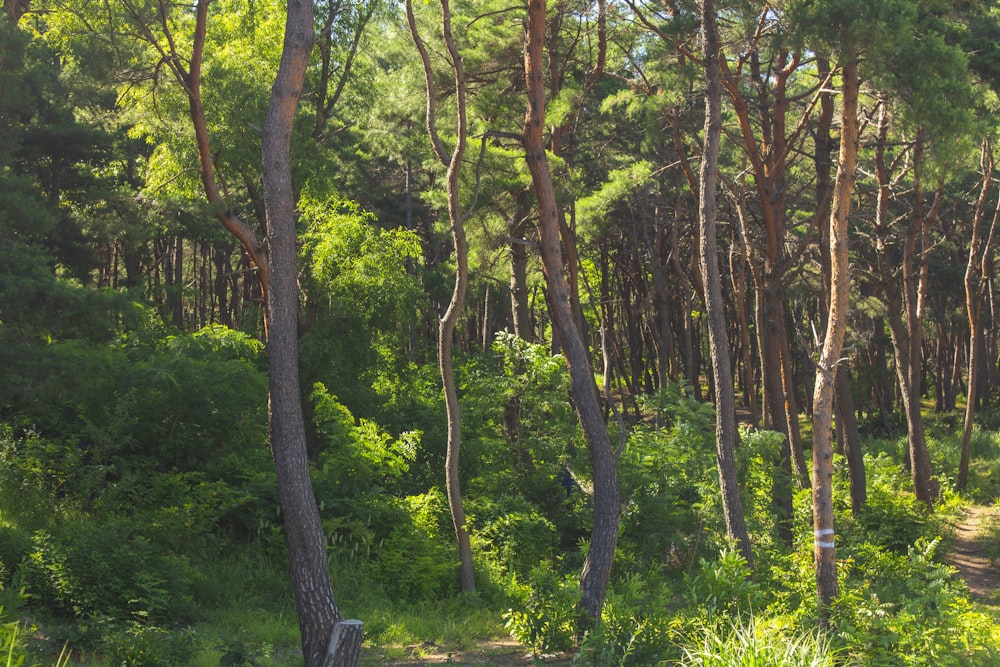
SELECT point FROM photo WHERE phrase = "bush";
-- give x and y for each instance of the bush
(636, 627)
(910, 610)
(86, 568)
(724, 586)
(418, 560)
(544, 614)
(516, 535)
(893, 520)
(149, 646)
(669, 485)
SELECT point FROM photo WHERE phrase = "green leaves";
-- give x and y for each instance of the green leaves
(363, 270)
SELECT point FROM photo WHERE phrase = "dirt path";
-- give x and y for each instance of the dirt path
(498, 652)
(974, 557)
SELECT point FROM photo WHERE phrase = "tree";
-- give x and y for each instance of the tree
(189, 78)
(446, 327)
(326, 638)
(726, 435)
(829, 360)
(976, 285)
(600, 556)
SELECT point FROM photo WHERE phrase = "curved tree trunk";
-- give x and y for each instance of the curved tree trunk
(726, 435)
(446, 328)
(604, 536)
(189, 78)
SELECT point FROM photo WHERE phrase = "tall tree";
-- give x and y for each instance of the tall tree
(901, 297)
(829, 360)
(326, 639)
(847, 424)
(604, 534)
(726, 434)
(446, 326)
(976, 272)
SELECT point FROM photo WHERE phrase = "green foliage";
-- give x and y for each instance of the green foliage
(666, 476)
(909, 609)
(516, 534)
(363, 292)
(756, 457)
(89, 569)
(417, 560)
(359, 454)
(638, 626)
(544, 614)
(11, 646)
(619, 185)
(724, 586)
(755, 642)
(240, 651)
(893, 520)
(137, 645)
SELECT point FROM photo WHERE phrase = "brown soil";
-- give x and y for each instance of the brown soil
(498, 652)
(974, 556)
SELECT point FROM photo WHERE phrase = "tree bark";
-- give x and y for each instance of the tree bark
(900, 303)
(826, 374)
(15, 10)
(446, 327)
(519, 307)
(847, 424)
(768, 159)
(726, 435)
(975, 284)
(604, 536)
(317, 610)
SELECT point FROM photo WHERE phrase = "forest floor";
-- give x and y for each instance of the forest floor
(499, 652)
(975, 552)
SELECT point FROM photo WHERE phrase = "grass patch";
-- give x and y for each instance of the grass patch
(758, 643)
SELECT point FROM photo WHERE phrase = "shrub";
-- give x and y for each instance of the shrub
(516, 534)
(544, 614)
(88, 568)
(149, 646)
(724, 586)
(910, 610)
(636, 627)
(417, 561)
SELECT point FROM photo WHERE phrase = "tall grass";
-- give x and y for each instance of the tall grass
(754, 643)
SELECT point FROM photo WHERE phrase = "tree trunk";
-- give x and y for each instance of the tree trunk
(519, 277)
(899, 303)
(975, 282)
(446, 328)
(604, 536)
(909, 367)
(826, 373)
(15, 10)
(726, 435)
(317, 610)
(847, 424)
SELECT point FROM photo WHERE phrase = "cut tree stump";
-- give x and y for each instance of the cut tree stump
(344, 648)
